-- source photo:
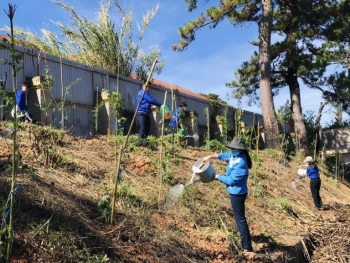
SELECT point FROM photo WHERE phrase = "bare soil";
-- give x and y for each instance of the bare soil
(57, 217)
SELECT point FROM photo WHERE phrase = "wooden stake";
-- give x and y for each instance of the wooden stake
(125, 144)
(161, 150)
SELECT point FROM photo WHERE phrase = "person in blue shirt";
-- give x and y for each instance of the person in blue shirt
(143, 118)
(176, 119)
(315, 181)
(235, 180)
(21, 104)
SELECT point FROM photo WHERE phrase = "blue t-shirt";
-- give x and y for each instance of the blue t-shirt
(312, 172)
(146, 103)
(175, 119)
(237, 173)
(21, 100)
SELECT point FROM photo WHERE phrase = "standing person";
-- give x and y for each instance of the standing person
(176, 120)
(143, 118)
(21, 104)
(315, 181)
(237, 172)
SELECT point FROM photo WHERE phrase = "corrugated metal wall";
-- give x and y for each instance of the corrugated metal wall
(81, 83)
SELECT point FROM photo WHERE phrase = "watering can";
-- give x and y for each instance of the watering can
(181, 132)
(165, 109)
(206, 174)
(301, 172)
(204, 170)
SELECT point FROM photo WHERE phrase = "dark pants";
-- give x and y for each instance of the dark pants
(238, 206)
(315, 185)
(144, 124)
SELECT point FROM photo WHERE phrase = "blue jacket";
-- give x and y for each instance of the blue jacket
(175, 119)
(312, 172)
(146, 103)
(21, 100)
(237, 172)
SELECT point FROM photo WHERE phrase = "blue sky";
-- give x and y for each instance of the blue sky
(208, 63)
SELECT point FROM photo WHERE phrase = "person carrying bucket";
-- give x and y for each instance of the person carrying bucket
(235, 179)
(315, 181)
(143, 118)
(176, 120)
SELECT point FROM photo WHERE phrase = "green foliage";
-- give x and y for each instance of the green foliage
(284, 204)
(104, 207)
(125, 192)
(235, 11)
(188, 197)
(95, 113)
(284, 115)
(336, 166)
(9, 97)
(99, 42)
(212, 203)
(215, 145)
(259, 190)
(117, 102)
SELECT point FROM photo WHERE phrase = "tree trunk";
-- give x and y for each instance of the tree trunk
(299, 125)
(266, 97)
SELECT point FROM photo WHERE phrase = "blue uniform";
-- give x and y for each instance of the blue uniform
(143, 115)
(21, 100)
(236, 178)
(176, 118)
(146, 103)
(315, 184)
(312, 172)
(237, 172)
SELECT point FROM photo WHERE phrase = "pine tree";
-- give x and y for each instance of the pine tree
(239, 12)
(297, 57)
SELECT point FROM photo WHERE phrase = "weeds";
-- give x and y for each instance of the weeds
(284, 204)
(125, 192)
(215, 145)
(188, 197)
(259, 190)
(104, 207)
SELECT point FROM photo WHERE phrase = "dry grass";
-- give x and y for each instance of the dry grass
(59, 202)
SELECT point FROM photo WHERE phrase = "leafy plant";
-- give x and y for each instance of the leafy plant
(215, 145)
(95, 114)
(259, 190)
(104, 207)
(47, 83)
(66, 95)
(284, 204)
(125, 192)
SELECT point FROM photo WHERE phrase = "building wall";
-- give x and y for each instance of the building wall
(335, 140)
(81, 93)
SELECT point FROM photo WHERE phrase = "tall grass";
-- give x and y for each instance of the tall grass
(99, 44)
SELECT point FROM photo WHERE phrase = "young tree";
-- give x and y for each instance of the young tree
(239, 12)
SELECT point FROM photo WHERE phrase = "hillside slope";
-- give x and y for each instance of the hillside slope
(66, 182)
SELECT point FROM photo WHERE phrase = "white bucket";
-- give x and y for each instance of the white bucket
(301, 171)
(206, 173)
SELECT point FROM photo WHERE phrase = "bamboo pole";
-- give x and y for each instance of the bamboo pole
(208, 124)
(125, 144)
(10, 14)
(62, 94)
(257, 157)
(161, 150)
